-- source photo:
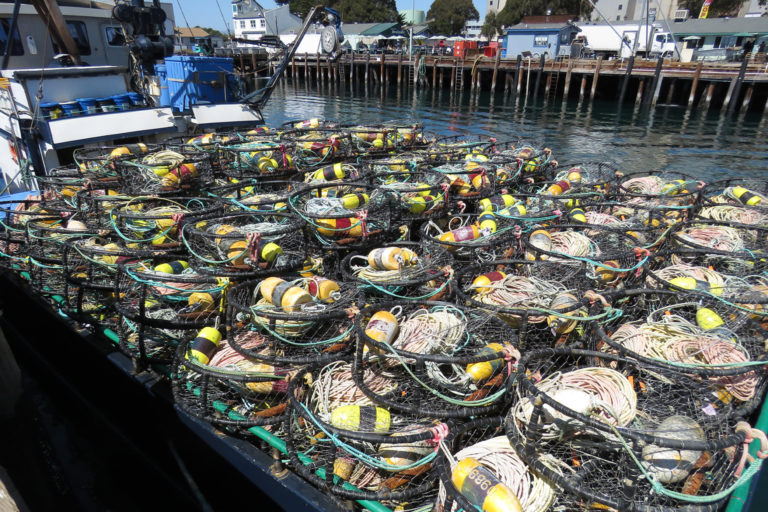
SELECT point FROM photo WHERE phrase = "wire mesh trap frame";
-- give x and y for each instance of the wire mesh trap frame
(449, 361)
(147, 222)
(245, 245)
(257, 159)
(14, 216)
(748, 293)
(95, 206)
(292, 334)
(264, 196)
(64, 185)
(708, 340)
(318, 146)
(485, 442)
(739, 192)
(416, 195)
(362, 451)
(612, 256)
(731, 247)
(385, 137)
(469, 180)
(160, 309)
(100, 160)
(337, 172)
(343, 214)
(392, 272)
(229, 390)
(664, 190)
(472, 237)
(634, 437)
(548, 303)
(522, 160)
(164, 172)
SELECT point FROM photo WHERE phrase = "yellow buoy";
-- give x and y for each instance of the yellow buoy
(482, 488)
(361, 418)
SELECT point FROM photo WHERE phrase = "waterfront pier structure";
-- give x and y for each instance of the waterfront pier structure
(727, 86)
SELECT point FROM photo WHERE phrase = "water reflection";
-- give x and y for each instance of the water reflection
(705, 142)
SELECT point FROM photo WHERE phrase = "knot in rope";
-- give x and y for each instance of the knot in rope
(511, 356)
(176, 217)
(439, 434)
(253, 240)
(448, 271)
(462, 206)
(352, 311)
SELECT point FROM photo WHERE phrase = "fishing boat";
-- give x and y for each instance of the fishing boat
(78, 75)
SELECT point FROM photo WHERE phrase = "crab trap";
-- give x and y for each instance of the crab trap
(449, 361)
(317, 147)
(14, 217)
(341, 441)
(626, 435)
(64, 185)
(401, 270)
(726, 246)
(344, 214)
(522, 161)
(369, 140)
(707, 339)
(737, 192)
(163, 303)
(257, 159)
(102, 161)
(254, 195)
(416, 195)
(95, 206)
(245, 244)
(164, 172)
(673, 195)
(147, 222)
(478, 465)
(213, 382)
(545, 302)
(335, 172)
(612, 256)
(289, 321)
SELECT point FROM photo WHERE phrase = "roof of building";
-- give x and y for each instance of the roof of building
(548, 27)
(367, 29)
(715, 26)
(190, 32)
(281, 20)
(553, 18)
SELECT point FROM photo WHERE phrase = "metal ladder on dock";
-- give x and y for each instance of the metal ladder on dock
(412, 72)
(458, 84)
(555, 80)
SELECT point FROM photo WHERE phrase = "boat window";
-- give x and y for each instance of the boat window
(80, 35)
(114, 36)
(16, 46)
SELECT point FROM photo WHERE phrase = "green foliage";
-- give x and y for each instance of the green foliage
(212, 31)
(351, 11)
(515, 10)
(448, 17)
(491, 27)
(717, 9)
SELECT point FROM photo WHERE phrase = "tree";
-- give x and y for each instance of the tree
(212, 31)
(716, 9)
(351, 11)
(491, 27)
(448, 17)
(514, 10)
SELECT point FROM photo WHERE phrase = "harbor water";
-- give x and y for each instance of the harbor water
(709, 145)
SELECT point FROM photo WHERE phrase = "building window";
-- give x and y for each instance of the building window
(263, 23)
(242, 23)
(16, 46)
(540, 40)
(620, 6)
(618, 18)
(253, 23)
(234, 9)
(718, 40)
(490, 3)
(80, 36)
(114, 36)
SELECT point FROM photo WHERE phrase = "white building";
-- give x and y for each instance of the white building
(494, 5)
(248, 19)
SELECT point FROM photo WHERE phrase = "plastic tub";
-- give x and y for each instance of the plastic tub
(137, 100)
(122, 101)
(88, 105)
(50, 110)
(105, 105)
(71, 108)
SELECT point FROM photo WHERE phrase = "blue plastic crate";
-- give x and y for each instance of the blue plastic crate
(193, 80)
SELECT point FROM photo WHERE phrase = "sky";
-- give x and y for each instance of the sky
(204, 13)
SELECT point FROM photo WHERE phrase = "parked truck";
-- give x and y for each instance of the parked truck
(625, 39)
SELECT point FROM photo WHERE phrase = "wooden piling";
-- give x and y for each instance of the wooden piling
(708, 96)
(639, 96)
(517, 73)
(729, 95)
(737, 86)
(399, 68)
(594, 79)
(548, 84)
(567, 80)
(695, 84)
(434, 73)
(381, 66)
(367, 66)
(583, 87)
(317, 68)
(648, 98)
(538, 76)
(657, 90)
(747, 98)
(671, 91)
(495, 71)
(625, 82)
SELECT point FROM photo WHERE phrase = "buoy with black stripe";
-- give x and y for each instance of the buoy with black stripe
(203, 301)
(746, 197)
(565, 304)
(403, 454)
(391, 258)
(487, 222)
(128, 150)
(482, 488)
(284, 294)
(332, 172)
(204, 345)
(689, 283)
(485, 369)
(361, 418)
(497, 202)
(172, 267)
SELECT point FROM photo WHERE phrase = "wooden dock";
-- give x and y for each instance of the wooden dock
(711, 85)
